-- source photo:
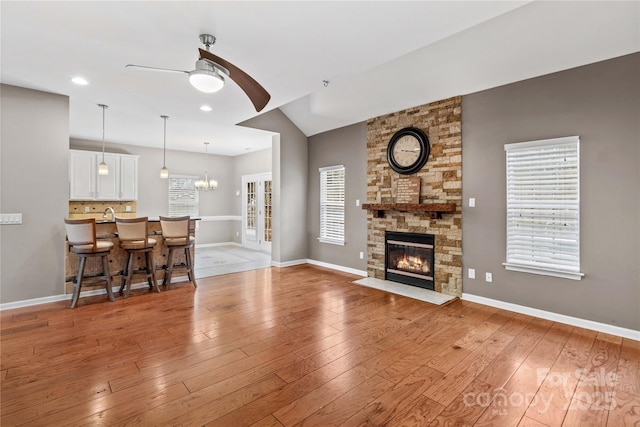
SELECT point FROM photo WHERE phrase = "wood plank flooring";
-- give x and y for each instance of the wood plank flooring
(303, 346)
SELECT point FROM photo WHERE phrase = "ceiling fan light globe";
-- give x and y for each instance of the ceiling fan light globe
(206, 81)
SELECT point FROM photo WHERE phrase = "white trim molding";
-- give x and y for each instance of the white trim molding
(63, 297)
(211, 245)
(221, 218)
(288, 263)
(337, 267)
(561, 318)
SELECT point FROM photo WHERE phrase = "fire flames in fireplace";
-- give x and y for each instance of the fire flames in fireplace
(413, 263)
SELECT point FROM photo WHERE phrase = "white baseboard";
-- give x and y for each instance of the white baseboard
(63, 297)
(211, 245)
(337, 267)
(288, 263)
(569, 320)
(34, 301)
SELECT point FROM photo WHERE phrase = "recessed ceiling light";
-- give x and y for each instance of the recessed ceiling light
(206, 108)
(80, 81)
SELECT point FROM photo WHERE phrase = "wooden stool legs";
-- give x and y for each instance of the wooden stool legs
(77, 285)
(129, 271)
(188, 265)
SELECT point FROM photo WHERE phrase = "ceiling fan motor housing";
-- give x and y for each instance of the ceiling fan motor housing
(206, 77)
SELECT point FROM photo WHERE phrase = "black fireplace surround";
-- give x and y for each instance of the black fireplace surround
(410, 258)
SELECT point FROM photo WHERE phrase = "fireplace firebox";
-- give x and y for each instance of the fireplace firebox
(410, 258)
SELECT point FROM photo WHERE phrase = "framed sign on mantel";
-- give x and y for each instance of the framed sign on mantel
(408, 190)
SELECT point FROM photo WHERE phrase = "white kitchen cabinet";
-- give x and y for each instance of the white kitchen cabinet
(85, 184)
(82, 175)
(128, 178)
(108, 186)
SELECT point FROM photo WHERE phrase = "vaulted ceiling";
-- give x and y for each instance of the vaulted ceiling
(377, 57)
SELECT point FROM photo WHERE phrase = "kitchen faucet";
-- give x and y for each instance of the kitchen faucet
(113, 213)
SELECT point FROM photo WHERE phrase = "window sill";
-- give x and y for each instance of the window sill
(543, 272)
(331, 241)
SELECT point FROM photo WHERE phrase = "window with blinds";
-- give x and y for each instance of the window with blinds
(332, 205)
(543, 207)
(183, 196)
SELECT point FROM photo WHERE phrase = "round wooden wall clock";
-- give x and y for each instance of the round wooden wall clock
(408, 150)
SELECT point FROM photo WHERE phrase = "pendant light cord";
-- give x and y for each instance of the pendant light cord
(164, 145)
(104, 107)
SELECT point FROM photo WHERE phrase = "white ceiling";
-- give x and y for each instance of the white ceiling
(379, 57)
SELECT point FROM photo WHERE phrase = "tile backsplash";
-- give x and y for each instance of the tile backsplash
(93, 209)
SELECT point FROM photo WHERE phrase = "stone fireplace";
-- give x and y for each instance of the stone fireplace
(440, 183)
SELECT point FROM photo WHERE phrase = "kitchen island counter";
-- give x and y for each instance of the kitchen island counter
(107, 230)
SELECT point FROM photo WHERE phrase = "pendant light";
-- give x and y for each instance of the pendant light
(103, 167)
(164, 172)
(206, 184)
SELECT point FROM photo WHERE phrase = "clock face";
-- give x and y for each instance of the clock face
(406, 150)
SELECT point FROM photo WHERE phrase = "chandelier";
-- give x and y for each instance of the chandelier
(206, 184)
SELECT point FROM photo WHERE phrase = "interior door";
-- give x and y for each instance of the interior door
(257, 211)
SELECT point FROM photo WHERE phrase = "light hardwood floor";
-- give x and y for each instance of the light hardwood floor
(303, 346)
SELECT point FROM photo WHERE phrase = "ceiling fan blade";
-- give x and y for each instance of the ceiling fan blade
(256, 93)
(166, 70)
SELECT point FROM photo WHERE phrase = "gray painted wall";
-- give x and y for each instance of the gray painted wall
(289, 185)
(600, 103)
(33, 181)
(345, 146)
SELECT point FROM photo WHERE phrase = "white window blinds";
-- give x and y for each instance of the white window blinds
(543, 207)
(332, 181)
(183, 196)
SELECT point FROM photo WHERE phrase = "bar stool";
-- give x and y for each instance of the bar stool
(175, 232)
(134, 239)
(81, 235)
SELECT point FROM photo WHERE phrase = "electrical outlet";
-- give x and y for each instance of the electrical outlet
(127, 208)
(488, 277)
(472, 202)
(472, 273)
(237, 234)
(86, 209)
(357, 202)
(361, 255)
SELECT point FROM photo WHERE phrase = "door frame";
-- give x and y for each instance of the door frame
(255, 242)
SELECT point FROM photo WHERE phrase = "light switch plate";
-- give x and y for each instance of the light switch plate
(11, 219)
(472, 202)
(472, 273)
(488, 277)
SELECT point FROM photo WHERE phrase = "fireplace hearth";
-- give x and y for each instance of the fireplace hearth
(410, 258)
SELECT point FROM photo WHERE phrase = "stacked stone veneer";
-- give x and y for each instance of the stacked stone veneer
(440, 182)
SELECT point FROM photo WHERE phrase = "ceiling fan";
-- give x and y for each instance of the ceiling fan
(210, 71)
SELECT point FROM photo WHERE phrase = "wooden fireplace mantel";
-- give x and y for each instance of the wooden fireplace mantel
(435, 209)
